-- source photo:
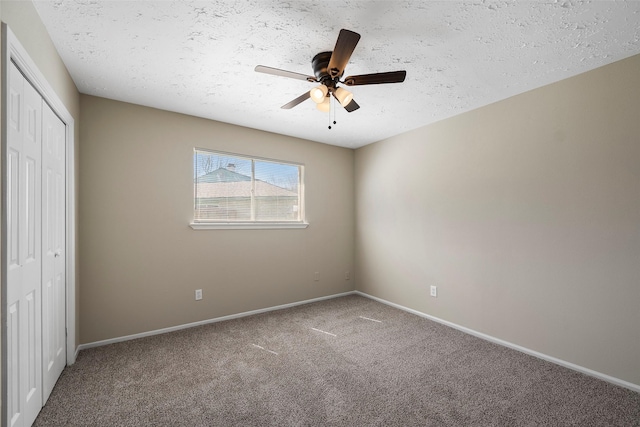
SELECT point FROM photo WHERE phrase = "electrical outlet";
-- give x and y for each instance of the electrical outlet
(434, 291)
(198, 294)
(347, 275)
(316, 276)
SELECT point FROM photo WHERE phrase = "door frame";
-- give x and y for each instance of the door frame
(13, 51)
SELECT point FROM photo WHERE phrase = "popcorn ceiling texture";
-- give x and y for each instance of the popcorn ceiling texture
(198, 57)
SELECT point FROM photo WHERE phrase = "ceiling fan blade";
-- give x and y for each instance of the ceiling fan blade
(352, 106)
(346, 43)
(296, 101)
(376, 78)
(284, 73)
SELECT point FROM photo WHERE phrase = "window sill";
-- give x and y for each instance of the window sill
(246, 225)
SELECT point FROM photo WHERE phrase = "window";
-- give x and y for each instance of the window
(234, 191)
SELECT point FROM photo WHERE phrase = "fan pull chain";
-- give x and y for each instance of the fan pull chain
(332, 111)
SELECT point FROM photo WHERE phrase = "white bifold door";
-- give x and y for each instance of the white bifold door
(54, 356)
(35, 256)
(24, 254)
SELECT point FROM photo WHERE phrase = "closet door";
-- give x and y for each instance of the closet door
(23, 256)
(53, 249)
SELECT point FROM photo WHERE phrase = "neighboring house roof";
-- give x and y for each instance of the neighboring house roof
(225, 183)
(223, 175)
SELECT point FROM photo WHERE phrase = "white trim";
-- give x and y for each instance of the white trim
(248, 156)
(71, 245)
(246, 225)
(572, 366)
(206, 322)
(14, 51)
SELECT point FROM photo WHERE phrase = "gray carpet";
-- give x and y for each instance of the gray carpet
(348, 361)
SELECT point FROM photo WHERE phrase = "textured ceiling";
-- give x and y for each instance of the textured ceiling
(198, 57)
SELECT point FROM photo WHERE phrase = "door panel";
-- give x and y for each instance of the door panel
(53, 254)
(14, 398)
(33, 345)
(13, 206)
(24, 272)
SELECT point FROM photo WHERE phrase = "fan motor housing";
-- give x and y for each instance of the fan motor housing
(320, 64)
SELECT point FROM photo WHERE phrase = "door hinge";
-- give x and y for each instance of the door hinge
(66, 334)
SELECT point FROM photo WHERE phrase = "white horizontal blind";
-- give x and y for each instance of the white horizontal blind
(233, 188)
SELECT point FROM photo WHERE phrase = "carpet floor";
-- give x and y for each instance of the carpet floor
(348, 361)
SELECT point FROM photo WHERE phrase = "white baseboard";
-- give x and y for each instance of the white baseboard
(205, 322)
(578, 368)
(587, 371)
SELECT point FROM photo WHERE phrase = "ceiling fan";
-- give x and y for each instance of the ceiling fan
(328, 68)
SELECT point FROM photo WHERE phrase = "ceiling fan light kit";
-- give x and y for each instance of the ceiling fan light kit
(318, 94)
(343, 96)
(328, 69)
(325, 105)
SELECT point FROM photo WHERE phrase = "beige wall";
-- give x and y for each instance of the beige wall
(141, 262)
(23, 20)
(524, 213)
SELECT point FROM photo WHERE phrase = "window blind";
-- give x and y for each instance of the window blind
(234, 188)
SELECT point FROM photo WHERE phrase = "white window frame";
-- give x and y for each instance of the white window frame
(252, 225)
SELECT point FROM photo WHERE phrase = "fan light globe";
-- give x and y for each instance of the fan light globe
(318, 94)
(344, 96)
(325, 105)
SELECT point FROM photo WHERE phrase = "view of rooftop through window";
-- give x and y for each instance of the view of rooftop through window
(232, 188)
